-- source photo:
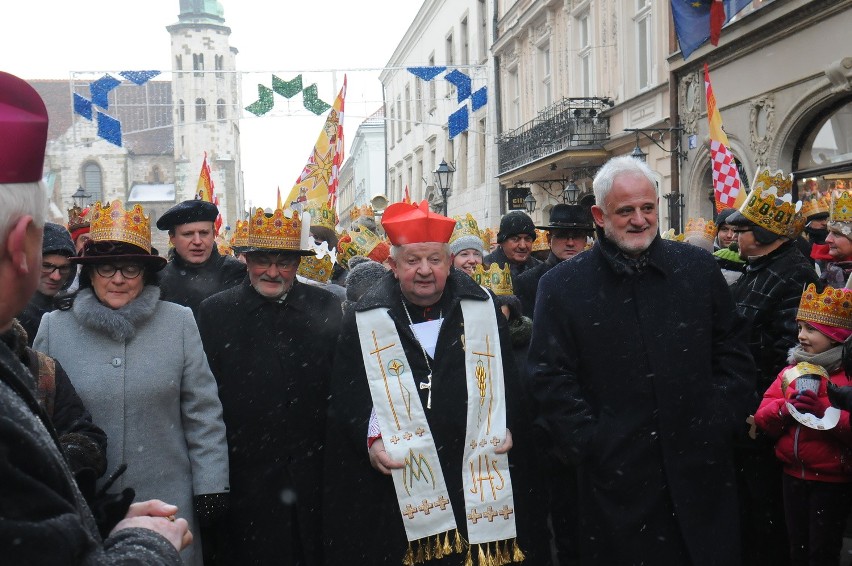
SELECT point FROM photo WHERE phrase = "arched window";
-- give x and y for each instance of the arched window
(219, 63)
(221, 113)
(178, 62)
(93, 181)
(824, 161)
(200, 110)
(181, 112)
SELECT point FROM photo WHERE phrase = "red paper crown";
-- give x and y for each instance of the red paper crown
(412, 224)
(23, 131)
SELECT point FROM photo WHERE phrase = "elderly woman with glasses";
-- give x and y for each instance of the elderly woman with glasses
(139, 366)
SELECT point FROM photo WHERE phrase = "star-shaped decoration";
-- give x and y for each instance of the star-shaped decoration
(319, 168)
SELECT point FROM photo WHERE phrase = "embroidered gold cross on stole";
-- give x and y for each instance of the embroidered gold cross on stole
(428, 385)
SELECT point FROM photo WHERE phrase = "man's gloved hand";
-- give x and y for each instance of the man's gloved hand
(107, 508)
(840, 397)
(809, 402)
(210, 507)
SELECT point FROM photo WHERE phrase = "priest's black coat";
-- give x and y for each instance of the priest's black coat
(362, 521)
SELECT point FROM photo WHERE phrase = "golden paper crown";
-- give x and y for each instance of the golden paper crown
(701, 228)
(281, 231)
(670, 235)
(540, 244)
(832, 307)
(223, 246)
(316, 268)
(494, 278)
(357, 212)
(840, 208)
(465, 226)
(782, 183)
(489, 237)
(77, 218)
(241, 234)
(323, 216)
(112, 222)
(776, 213)
(816, 205)
(356, 243)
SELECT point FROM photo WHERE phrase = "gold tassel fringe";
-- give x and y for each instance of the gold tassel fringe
(418, 556)
(408, 559)
(428, 550)
(468, 561)
(447, 548)
(481, 554)
(459, 543)
(517, 555)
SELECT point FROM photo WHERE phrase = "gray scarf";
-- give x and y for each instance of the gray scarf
(119, 324)
(830, 359)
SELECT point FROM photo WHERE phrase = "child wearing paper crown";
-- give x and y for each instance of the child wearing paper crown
(817, 456)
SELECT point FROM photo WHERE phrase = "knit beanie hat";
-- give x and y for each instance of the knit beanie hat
(514, 223)
(57, 240)
(362, 277)
(467, 243)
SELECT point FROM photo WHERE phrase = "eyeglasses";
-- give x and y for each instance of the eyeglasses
(49, 268)
(130, 271)
(283, 264)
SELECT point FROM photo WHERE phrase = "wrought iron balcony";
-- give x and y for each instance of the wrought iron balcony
(570, 122)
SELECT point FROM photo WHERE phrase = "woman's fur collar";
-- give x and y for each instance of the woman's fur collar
(118, 324)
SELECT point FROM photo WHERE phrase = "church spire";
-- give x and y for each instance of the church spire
(201, 11)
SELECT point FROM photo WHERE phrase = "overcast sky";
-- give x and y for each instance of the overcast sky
(55, 38)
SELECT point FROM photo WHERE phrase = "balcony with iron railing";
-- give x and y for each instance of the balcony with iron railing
(569, 123)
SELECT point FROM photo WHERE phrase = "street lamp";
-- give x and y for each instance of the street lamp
(444, 180)
(529, 203)
(80, 196)
(571, 192)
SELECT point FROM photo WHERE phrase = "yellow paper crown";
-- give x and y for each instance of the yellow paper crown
(782, 183)
(223, 246)
(465, 226)
(281, 231)
(360, 243)
(841, 207)
(357, 212)
(701, 228)
(489, 237)
(776, 213)
(816, 205)
(323, 216)
(112, 222)
(832, 307)
(494, 278)
(540, 244)
(316, 268)
(241, 234)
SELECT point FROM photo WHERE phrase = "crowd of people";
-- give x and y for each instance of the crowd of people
(430, 397)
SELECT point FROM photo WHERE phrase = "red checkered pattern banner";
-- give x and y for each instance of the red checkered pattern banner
(726, 177)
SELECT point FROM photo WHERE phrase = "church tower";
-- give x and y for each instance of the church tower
(207, 105)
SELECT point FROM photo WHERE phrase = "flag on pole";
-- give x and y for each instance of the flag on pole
(726, 178)
(317, 184)
(204, 190)
(407, 197)
(696, 21)
(279, 198)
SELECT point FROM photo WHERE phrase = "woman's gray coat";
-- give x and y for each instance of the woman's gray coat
(142, 373)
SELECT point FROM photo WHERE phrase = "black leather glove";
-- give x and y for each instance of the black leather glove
(210, 507)
(840, 397)
(107, 508)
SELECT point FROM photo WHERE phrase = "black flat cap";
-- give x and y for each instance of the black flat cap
(186, 212)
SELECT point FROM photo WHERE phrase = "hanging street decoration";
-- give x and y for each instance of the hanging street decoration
(459, 120)
(287, 89)
(108, 127)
